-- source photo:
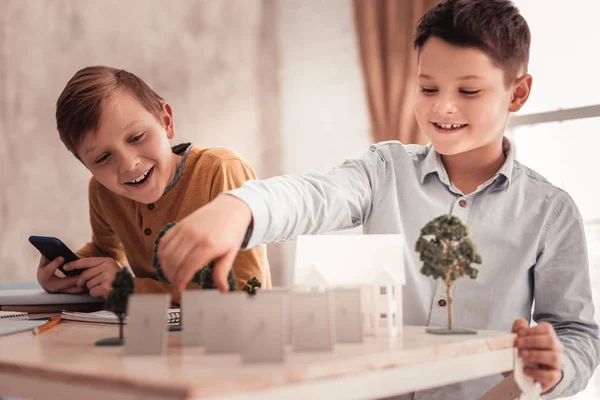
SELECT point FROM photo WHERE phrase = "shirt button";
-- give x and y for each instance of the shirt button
(442, 303)
(151, 206)
(148, 231)
(462, 203)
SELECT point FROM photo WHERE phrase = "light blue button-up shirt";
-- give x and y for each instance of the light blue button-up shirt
(529, 233)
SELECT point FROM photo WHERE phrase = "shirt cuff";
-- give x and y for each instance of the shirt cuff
(568, 375)
(248, 235)
(260, 215)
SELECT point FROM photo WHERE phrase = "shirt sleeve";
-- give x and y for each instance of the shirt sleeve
(104, 242)
(287, 206)
(563, 295)
(227, 175)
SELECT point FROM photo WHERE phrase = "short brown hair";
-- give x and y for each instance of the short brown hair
(80, 105)
(494, 26)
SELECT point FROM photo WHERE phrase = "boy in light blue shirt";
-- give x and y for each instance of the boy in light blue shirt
(472, 75)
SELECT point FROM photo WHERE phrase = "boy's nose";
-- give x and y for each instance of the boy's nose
(130, 163)
(445, 106)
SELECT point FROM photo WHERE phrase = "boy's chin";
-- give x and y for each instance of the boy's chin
(444, 151)
(144, 198)
(448, 149)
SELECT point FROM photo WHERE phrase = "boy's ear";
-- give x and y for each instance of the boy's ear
(167, 120)
(520, 92)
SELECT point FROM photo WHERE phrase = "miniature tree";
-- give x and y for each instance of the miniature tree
(122, 288)
(251, 286)
(203, 278)
(447, 253)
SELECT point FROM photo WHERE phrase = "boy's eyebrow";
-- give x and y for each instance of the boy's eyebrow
(468, 77)
(90, 150)
(462, 78)
(132, 123)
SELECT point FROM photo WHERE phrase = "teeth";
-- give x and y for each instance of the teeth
(449, 126)
(140, 178)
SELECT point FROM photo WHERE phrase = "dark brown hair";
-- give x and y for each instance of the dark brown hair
(80, 105)
(494, 26)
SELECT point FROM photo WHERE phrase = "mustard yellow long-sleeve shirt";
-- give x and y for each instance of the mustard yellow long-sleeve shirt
(125, 229)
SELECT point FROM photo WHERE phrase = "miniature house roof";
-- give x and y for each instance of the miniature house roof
(383, 276)
(349, 259)
(315, 277)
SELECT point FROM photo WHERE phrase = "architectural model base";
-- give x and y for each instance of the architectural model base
(453, 331)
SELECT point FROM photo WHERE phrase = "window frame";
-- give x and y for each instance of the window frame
(559, 115)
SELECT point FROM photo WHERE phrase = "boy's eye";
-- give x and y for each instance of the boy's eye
(102, 158)
(470, 92)
(137, 138)
(428, 90)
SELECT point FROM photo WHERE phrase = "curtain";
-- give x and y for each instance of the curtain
(385, 30)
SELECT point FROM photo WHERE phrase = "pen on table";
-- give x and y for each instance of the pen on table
(53, 321)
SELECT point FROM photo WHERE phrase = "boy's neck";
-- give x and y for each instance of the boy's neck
(176, 160)
(469, 170)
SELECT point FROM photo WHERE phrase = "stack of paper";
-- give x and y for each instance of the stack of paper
(40, 301)
(107, 317)
(12, 315)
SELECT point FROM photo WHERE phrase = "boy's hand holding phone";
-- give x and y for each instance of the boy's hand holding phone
(97, 276)
(48, 279)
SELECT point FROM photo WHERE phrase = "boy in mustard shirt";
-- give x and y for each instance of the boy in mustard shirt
(119, 128)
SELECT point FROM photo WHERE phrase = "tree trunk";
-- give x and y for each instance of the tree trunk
(449, 296)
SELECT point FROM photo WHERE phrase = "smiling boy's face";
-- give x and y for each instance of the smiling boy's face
(130, 153)
(462, 100)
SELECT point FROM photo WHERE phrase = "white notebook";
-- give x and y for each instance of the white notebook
(107, 317)
(39, 296)
(12, 315)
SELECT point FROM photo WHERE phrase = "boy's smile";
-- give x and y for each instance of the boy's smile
(142, 179)
(130, 153)
(448, 127)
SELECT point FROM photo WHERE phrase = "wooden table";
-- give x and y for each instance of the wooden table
(64, 363)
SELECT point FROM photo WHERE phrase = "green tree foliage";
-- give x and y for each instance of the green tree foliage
(251, 286)
(447, 253)
(203, 277)
(122, 288)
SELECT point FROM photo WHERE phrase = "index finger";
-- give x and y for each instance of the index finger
(542, 328)
(43, 261)
(47, 264)
(46, 272)
(84, 263)
(221, 270)
(182, 274)
(519, 325)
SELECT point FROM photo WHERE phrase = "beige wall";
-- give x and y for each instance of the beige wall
(276, 80)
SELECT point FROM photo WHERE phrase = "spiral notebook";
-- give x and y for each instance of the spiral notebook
(107, 317)
(12, 315)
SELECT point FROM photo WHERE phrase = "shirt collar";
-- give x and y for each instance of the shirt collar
(507, 168)
(433, 163)
(182, 149)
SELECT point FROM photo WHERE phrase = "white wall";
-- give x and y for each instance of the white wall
(324, 112)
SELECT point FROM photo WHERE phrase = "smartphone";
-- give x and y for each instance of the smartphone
(51, 248)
